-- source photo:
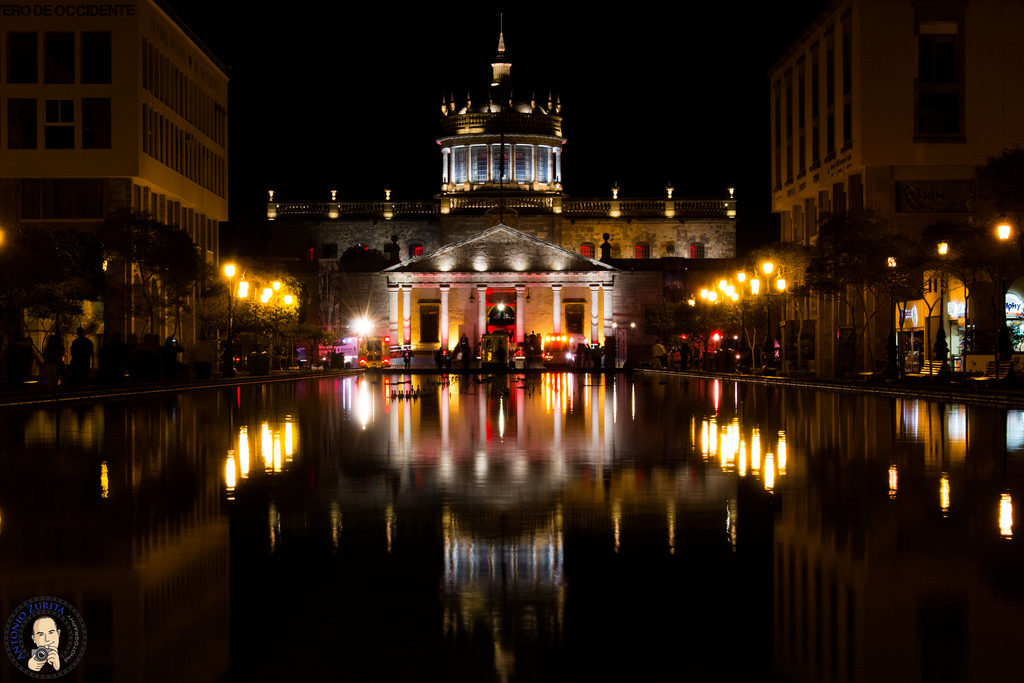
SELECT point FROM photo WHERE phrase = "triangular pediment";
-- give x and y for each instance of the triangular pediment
(500, 249)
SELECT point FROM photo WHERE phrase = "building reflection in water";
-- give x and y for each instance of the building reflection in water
(89, 517)
(894, 556)
(528, 522)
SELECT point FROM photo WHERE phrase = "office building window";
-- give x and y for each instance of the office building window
(59, 57)
(847, 47)
(939, 87)
(830, 95)
(815, 107)
(21, 124)
(777, 97)
(62, 198)
(801, 116)
(59, 131)
(96, 57)
(96, 123)
(22, 58)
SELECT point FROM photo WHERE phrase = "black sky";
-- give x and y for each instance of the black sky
(336, 96)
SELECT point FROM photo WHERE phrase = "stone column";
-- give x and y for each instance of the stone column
(444, 315)
(406, 314)
(481, 316)
(608, 294)
(594, 312)
(556, 309)
(520, 314)
(393, 311)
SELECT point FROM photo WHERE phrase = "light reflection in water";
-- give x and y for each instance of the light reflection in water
(1006, 516)
(104, 480)
(648, 482)
(944, 493)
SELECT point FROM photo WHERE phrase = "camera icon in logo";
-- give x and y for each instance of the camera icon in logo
(40, 653)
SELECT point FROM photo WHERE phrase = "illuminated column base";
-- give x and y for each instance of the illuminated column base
(594, 313)
(556, 309)
(520, 313)
(444, 315)
(481, 310)
(393, 311)
(608, 294)
(406, 314)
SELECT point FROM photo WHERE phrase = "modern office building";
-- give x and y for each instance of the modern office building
(891, 106)
(502, 245)
(107, 107)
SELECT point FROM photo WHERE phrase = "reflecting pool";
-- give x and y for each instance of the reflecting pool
(542, 527)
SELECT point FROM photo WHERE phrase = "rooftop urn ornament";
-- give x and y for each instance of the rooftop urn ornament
(387, 193)
(334, 195)
(615, 190)
(669, 189)
(271, 194)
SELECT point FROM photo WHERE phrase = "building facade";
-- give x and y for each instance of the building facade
(501, 178)
(892, 106)
(111, 107)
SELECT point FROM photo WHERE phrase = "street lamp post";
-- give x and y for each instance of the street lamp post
(229, 272)
(892, 369)
(1003, 350)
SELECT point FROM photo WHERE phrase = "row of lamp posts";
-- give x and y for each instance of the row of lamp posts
(242, 292)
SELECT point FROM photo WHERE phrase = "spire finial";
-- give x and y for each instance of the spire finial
(501, 33)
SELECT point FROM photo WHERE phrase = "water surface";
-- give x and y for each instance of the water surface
(555, 527)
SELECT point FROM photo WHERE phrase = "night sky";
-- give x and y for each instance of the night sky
(334, 96)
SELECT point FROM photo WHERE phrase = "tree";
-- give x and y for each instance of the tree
(850, 264)
(163, 257)
(49, 274)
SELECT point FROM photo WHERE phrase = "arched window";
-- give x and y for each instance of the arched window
(697, 250)
(587, 249)
(415, 250)
(642, 250)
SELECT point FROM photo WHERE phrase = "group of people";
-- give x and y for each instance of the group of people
(675, 358)
(137, 360)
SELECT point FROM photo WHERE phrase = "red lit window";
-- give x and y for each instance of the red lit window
(642, 250)
(416, 249)
(697, 250)
(311, 254)
(587, 249)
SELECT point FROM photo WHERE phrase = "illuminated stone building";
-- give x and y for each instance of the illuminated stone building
(502, 193)
(109, 107)
(891, 107)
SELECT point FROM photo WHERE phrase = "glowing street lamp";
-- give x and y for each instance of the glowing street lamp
(1003, 230)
